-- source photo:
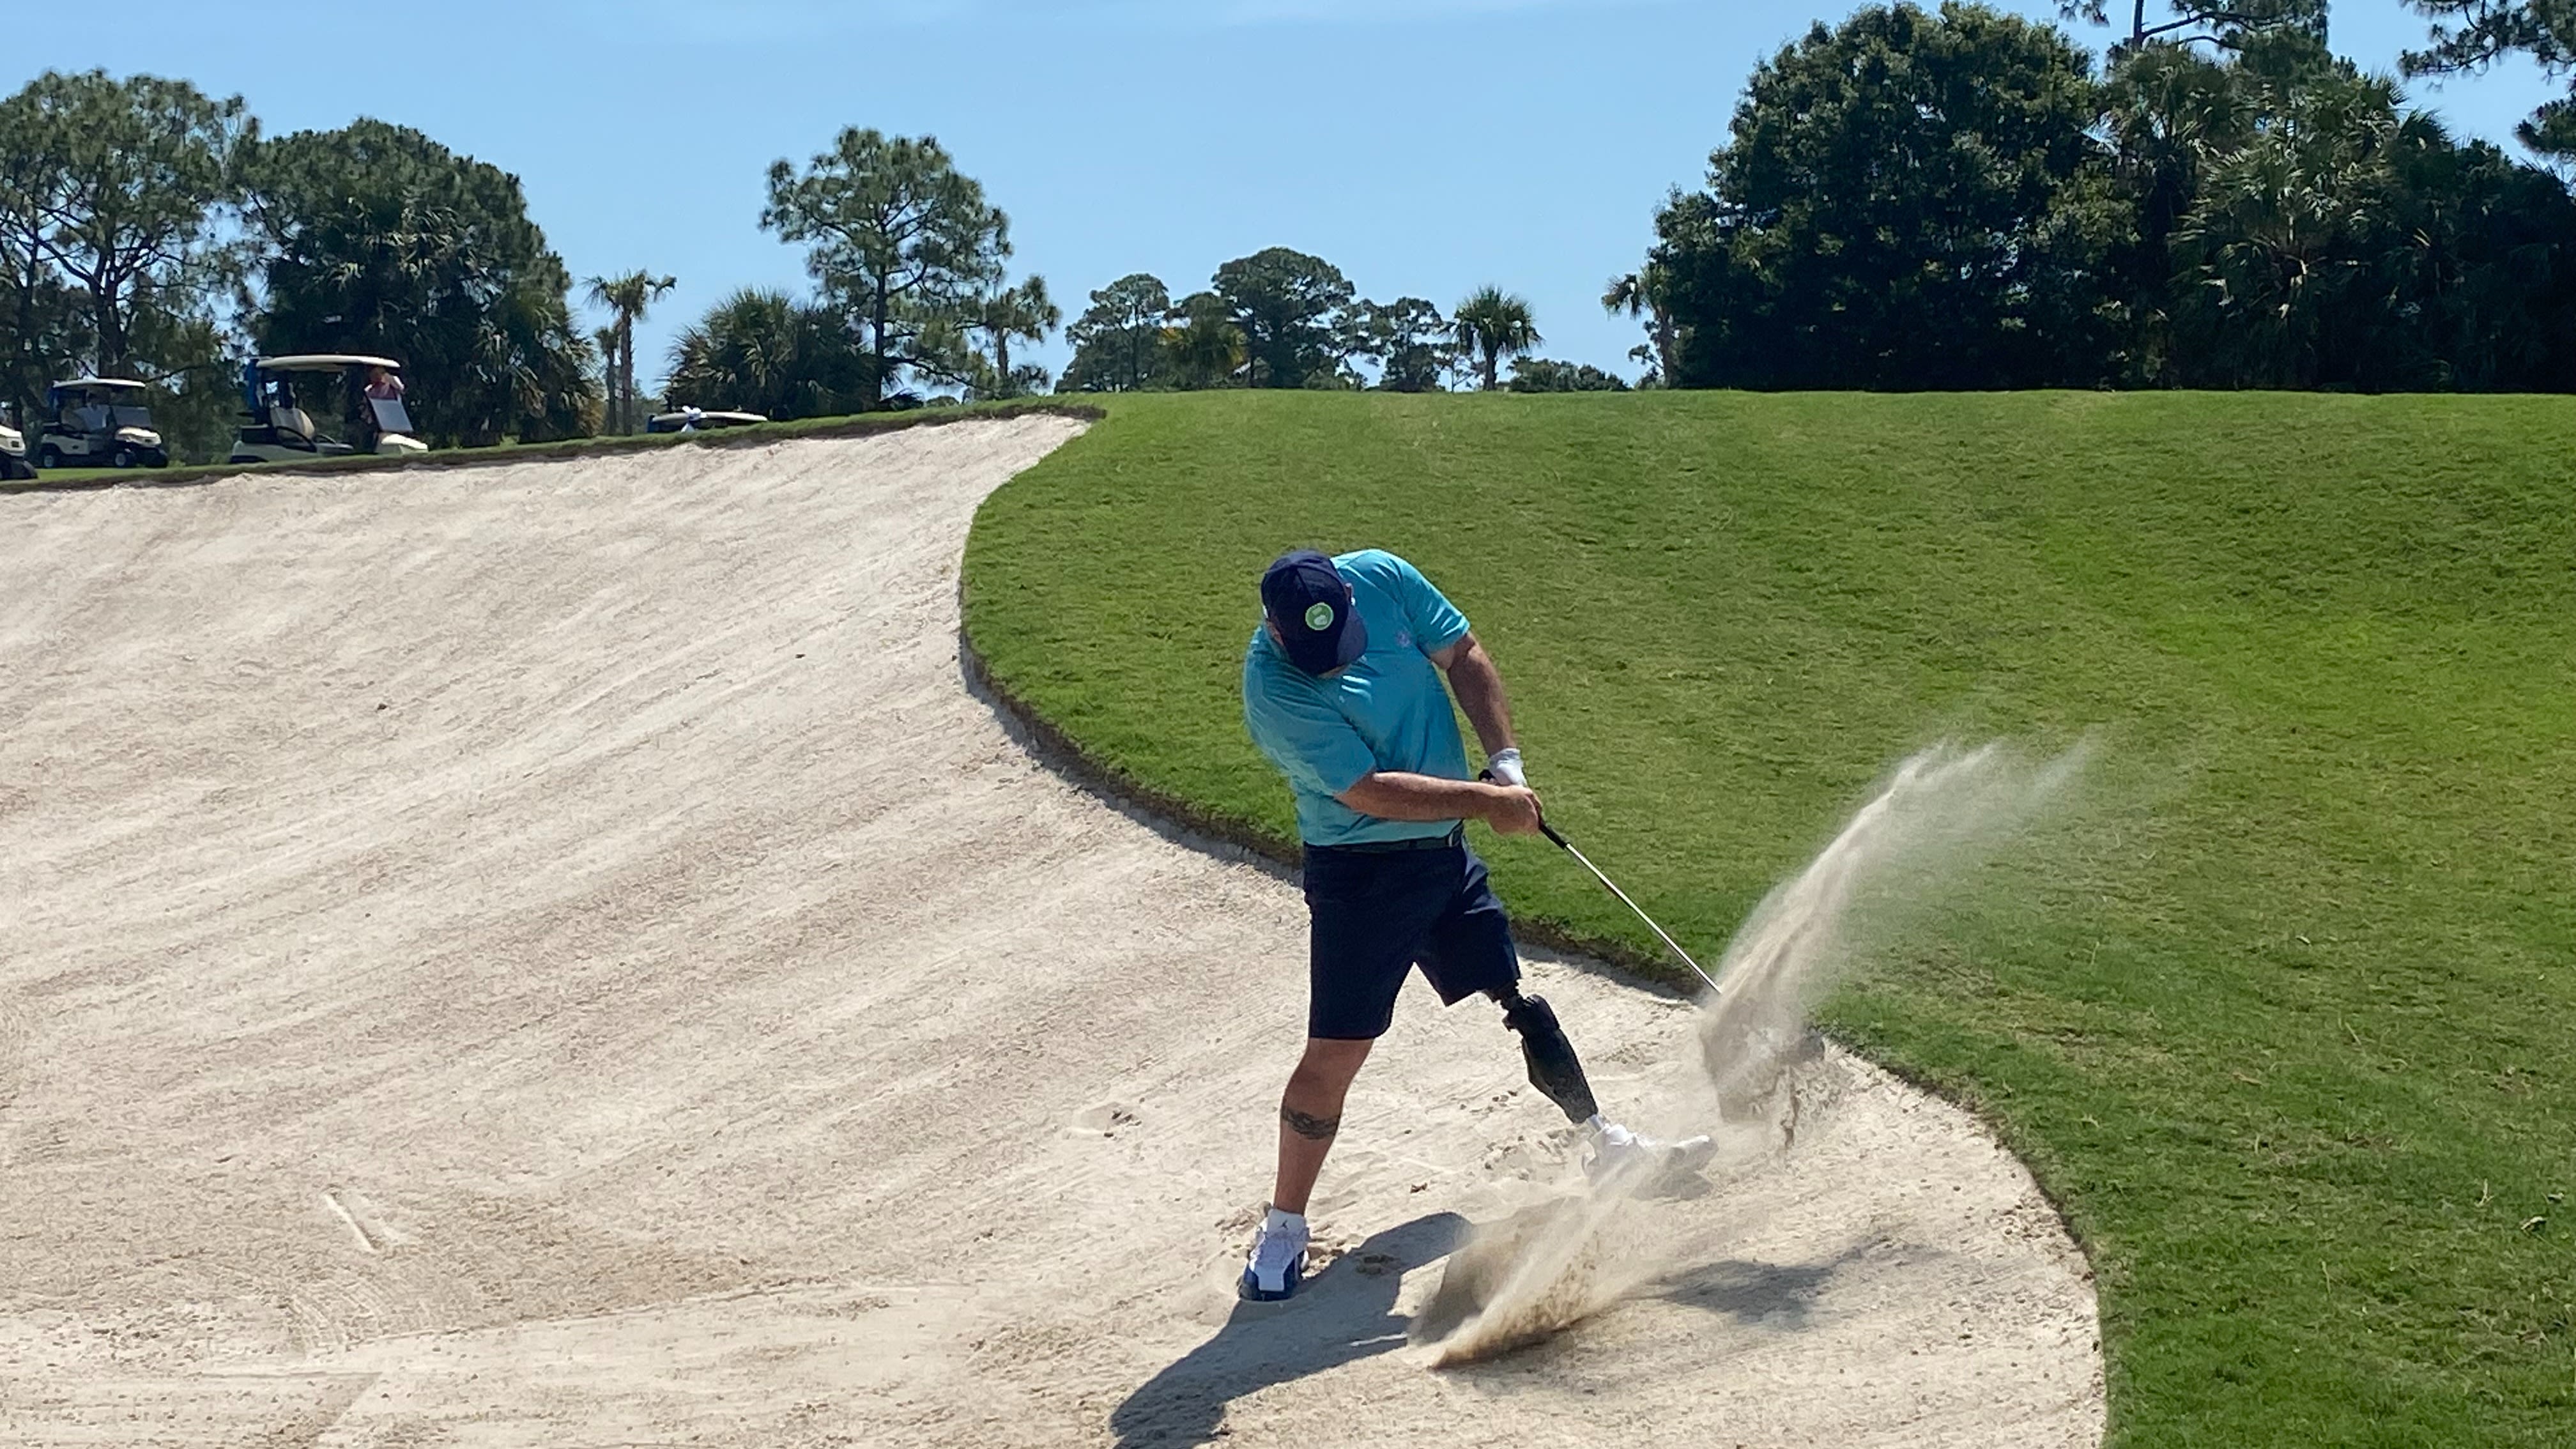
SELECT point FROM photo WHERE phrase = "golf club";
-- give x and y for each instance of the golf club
(1568, 847)
(1612, 886)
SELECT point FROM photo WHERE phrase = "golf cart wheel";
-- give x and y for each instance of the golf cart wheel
(49, 456)
(157, 460)
(123, 458)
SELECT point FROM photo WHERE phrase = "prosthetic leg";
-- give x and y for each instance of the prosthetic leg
(1553, 1068)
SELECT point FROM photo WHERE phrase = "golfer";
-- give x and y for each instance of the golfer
(1343, 690)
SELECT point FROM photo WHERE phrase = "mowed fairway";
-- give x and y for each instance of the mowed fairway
(554, 954)
(2281, 1013)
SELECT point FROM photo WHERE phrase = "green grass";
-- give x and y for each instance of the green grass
(757, 433)
(2281, 1012)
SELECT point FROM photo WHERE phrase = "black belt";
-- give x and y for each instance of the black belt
(1457, 836)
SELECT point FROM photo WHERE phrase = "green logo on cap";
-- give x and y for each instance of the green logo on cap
(1319, 617)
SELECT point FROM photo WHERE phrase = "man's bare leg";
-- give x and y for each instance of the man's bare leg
(1310, 1113)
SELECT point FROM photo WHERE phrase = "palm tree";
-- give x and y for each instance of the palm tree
(1641, 292)
(626, 297)
(1206, 349)
(1493, 325)
(1024, 312)
(2279, 239)
(765, 352)
(605, 338)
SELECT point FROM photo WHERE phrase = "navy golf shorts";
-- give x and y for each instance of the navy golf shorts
(1375, 915)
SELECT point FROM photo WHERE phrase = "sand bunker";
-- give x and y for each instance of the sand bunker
(555, 954)
(1763, 1077)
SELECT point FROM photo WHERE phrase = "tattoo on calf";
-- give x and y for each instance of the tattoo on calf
(1318, 1129)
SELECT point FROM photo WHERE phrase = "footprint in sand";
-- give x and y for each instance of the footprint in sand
(1104, 1119)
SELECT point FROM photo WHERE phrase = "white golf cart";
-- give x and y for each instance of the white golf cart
(698, 420)
(13, 450)
(99, 422)
(368, 397)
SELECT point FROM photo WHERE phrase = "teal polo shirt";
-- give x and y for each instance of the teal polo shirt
(1389, 710)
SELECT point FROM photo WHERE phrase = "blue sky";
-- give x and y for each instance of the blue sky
(1426, 147)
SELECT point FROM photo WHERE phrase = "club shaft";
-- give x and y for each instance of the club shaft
(1568, 847)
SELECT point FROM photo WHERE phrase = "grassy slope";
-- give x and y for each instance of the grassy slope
(2281, 1015)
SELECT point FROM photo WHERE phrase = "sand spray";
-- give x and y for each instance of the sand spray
(1760, 1069)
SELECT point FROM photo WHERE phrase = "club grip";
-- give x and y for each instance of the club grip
(1487, 777)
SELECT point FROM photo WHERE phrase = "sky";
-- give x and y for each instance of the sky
(1425, 147)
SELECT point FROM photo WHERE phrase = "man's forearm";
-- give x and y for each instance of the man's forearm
(1479, 686)
(1399, 795)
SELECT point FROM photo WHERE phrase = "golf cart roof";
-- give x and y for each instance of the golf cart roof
(102, 382)
(324, 362)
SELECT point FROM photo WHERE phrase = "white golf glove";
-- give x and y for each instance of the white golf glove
(1506, 768)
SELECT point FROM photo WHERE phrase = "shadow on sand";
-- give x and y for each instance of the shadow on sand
(1343, 1314)
(1778, 1294)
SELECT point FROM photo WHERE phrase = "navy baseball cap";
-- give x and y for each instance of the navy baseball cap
(1305, 597)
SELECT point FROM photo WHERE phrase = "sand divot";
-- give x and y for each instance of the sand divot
(710, 1025)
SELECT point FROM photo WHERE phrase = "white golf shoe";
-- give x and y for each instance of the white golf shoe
(1619, 1153)
(1278, 1261)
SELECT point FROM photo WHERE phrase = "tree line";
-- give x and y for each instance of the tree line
(1950, 198)
(150, 230)
(918, 264)
(1956, 199)
(913, 292)
(1281, 318)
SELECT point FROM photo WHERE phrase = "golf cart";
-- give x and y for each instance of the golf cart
(698, 420)
(98, 422)
(13, 451)
(368, 397)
